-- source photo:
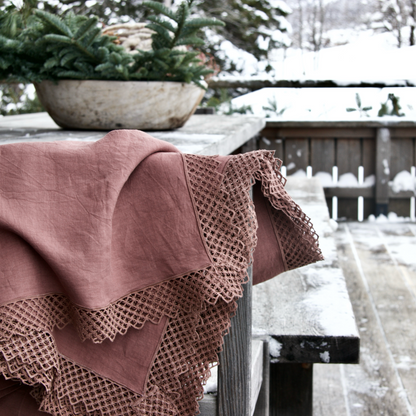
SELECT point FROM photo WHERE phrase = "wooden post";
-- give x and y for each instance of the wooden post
(383, 151)
(234, 370)
(291, 389)
(263, 402)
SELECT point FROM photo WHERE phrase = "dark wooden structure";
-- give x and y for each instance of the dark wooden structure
(256, 84)
(382, 148)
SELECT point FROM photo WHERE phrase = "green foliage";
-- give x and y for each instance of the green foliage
(15, 100)
(272, 108)
(391, 107)
(46, 46)
(221, 102)
(362, 110)
(246, 23)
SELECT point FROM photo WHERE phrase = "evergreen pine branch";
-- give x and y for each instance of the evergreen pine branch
(66, 59)
(85, 27)
(200, 22)
(90, 37)
(163, 34)
(164, 23)
(181, 16)
(160, 8)
(54, 22)
(192, 40)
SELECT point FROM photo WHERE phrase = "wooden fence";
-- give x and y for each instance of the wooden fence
(380, 148)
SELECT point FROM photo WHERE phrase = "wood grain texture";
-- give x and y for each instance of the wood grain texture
(289, 129)
(291, 387)
(269, 143)
(383, 153)
(381, 384)
(234, 371)
(296, 155)
(348, 156)
(328, 391)
(263, 403)
(202, 134)
(354, 192)
(323, 155)
(401, 155)
(257, 365)
(368, 156)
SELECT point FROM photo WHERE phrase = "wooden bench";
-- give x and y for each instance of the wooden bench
(303, 316)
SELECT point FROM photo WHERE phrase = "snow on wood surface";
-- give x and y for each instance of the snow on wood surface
(312, 300)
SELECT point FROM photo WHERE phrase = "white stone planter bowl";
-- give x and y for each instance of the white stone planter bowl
(109, 105)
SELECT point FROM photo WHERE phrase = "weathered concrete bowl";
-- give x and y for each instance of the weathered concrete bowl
(109, 105)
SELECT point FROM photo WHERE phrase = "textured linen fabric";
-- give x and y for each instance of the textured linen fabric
(120, 264)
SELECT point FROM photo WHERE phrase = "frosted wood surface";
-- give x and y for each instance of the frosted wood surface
(202, 134)
(308, 310)
(256, 372)
(383, 291)
(328, 393)
(234, 370)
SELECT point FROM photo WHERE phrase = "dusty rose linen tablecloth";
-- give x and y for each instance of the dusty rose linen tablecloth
(120, 264)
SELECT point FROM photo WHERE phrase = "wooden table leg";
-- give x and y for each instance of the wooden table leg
(291, 389)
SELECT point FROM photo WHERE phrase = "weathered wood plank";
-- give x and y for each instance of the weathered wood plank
(352, 132)
(348, 156)
(286, 400)
(317, 349)
(323, 155)
(272, 144)
(409, 125)
(259, 382)
(263, 400)
(383, 153)
(208, 405)
(353, 192)
(256, 373)
(296, 155)
(369, 156)
(255, 84)
(401, 155)
(328, 391)
(234, 370)
(202, 134)
(403, 132)
(386, 313)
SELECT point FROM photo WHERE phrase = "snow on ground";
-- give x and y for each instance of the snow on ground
(368, 57)
(326, 103)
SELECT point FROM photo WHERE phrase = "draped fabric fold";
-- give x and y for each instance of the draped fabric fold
(120, 265)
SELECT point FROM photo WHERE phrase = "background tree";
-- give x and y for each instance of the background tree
(255, 26)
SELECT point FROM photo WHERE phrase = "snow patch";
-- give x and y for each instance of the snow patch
(403, 181)
(299, 174)
(274, 348)
(391, 217)
(212, 383)
(325, 178)
(325, 357)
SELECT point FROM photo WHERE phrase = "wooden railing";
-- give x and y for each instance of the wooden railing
(380, 148)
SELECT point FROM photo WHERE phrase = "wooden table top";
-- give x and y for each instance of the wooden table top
(202, 134)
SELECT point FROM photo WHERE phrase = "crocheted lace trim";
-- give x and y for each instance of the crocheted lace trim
(198, 304)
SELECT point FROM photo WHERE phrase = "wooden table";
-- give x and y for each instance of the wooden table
(202, 134)
(306, 313)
